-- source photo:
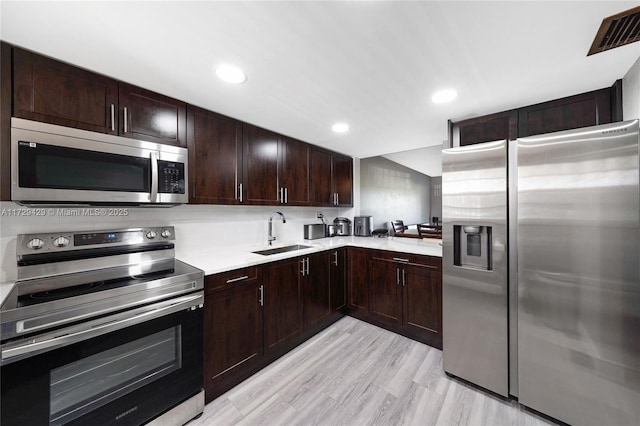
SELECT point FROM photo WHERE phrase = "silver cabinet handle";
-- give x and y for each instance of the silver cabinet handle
(233, 280)
(125, 120)
(308, 267)
(303, 268)
(400, 259)
(286, 195)
(337, 198)
(335, 258)
(261, 296)
(404, 277)
(240, 191)
(154, 177)
(113, 118)
(397, 276)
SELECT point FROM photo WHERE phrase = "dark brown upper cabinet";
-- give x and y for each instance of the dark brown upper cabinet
(58, 93)
(586, 109)
(488, 128)
(342, 180)
(321, 182)
(331, 179)
(215, 157)
(151, 117)
(260, 162)
(583, 110)
(293, 172)
(276, 168)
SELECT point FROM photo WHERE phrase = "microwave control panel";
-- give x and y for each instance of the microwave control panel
(171, 177)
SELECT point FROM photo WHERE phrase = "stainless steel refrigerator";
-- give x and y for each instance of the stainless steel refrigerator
(541, 271)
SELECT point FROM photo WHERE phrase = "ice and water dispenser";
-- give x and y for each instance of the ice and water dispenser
(472, 246)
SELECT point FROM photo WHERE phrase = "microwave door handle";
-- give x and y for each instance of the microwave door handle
(154, 177)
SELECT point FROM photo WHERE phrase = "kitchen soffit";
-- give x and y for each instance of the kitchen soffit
(373, 64)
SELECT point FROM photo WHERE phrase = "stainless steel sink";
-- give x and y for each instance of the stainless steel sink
(284, 249)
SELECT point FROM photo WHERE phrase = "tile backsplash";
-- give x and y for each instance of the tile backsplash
(198, 227)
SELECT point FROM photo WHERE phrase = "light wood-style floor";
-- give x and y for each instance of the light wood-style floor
(354, 373)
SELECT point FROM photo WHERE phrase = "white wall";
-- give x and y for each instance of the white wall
(390, 191)
(631, 93)
(198, 227)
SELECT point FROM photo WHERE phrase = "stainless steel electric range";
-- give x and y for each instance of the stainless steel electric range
(102, 327)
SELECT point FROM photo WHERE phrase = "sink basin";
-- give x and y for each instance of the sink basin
(284, 249)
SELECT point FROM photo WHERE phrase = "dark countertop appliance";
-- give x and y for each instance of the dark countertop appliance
(98, 321)
(342, 226)
(362, 226)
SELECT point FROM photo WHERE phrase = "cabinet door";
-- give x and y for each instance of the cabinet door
(320, 179)
(57, 93)
(338, 279)
(260, 154)
(232, 332)
(422, 301)
(385, 291)
(358, 286)
(343, 180)
(215, 157)
(316, 306)
(586, 109)
(294, 171)
(282, 303)
(150, 116)
(488, 128)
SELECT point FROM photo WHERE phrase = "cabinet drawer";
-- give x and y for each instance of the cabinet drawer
(407, 258)
(229, 279)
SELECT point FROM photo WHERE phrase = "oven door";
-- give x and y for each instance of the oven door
(127, 376)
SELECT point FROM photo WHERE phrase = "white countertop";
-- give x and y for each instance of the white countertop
(221, 259)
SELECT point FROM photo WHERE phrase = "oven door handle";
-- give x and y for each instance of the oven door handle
(30, 346)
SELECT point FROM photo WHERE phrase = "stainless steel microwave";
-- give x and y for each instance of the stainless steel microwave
(58, 165)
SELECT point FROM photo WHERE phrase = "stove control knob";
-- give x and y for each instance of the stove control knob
(61, 242)
(166, 233)
(35, 244)
(151, 235)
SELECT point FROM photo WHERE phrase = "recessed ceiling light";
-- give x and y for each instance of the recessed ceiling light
(444, 96)
(230, 74)
(340, 127)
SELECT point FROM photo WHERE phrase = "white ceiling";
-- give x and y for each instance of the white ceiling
(374, 65)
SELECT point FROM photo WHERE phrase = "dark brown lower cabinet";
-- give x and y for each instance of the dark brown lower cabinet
(314, 279)
(255, 315)
(282, 303)
(385, 291)
(338, 280)
(232, 330)
(404, 294)
(358, 285)
(422, 301)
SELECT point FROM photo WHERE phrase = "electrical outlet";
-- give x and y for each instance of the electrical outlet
(319, 215)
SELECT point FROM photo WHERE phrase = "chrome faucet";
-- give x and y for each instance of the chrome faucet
(271, 238)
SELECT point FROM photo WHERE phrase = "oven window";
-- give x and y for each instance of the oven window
(84, 385)
(49, 166)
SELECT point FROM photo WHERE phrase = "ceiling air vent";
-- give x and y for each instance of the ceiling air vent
(617, 30)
